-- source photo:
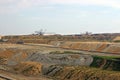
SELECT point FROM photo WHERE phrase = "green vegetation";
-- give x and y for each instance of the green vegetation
(117, 41)
(55, 52)
(106, 62)
(106, 57)
(64, 52)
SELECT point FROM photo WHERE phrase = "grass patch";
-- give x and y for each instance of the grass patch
(64, 52)
(55, 52)
(106, 62)
(106, 57)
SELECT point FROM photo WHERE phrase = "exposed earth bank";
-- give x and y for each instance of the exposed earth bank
(103, 47)
(56, 63)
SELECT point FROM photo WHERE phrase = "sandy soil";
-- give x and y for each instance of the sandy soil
(13, 76)
(38, 48)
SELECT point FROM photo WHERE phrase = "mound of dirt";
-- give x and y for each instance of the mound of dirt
(28, 68)
(61, 59)
(7, 53)
(17, 58)
(13, 56)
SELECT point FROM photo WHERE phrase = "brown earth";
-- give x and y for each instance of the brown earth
(104, 47)
(81, 73)
(28, 68)
(31, 60)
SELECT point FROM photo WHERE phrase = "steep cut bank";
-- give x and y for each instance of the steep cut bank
(101, 68)
(106, 63)
(60, 65)
(103, 47)
(80, 73)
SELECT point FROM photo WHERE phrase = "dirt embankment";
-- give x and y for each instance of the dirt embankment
(101, 68)
(104, 47)
(81, 73)
(112, 64)
(31, 61)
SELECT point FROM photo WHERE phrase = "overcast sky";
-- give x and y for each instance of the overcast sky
(59, 16)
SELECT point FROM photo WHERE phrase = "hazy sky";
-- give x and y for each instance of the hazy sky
(59, 16)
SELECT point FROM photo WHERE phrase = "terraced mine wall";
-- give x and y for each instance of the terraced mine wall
(81, 73)
(62, 66)
(102, 47)
(106, 63)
